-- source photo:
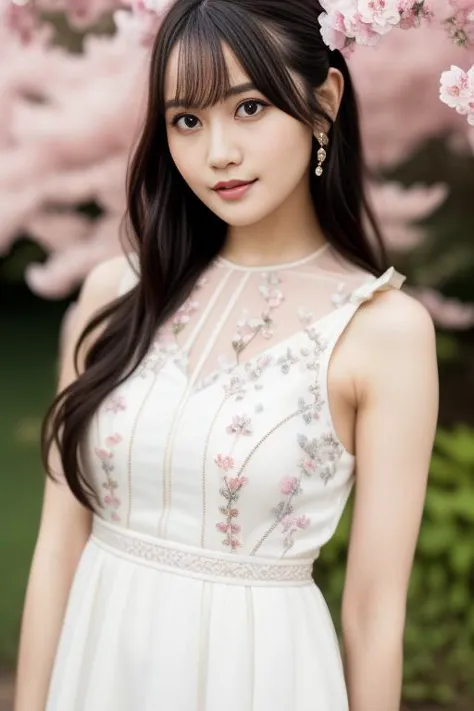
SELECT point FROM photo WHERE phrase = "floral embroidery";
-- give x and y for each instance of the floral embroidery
(322, 455)
(284, 510)
(224, 462)
(235, 387)
(115, 403)
(311, 411)
(292, 524)
(241, 424)
(230, 490)
(287, 360)
(319, 343)
(254, 369)
(154, 360)
(269, 289)
(247, 329)
(106, 457)
(183, 316)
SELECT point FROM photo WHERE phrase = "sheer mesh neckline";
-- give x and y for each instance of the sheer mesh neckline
(273, 267)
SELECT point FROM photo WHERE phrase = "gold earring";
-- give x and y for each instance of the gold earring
(323, 141)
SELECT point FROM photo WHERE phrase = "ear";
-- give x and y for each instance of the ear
(329, 95)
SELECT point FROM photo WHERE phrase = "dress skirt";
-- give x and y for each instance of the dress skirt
(144, 633)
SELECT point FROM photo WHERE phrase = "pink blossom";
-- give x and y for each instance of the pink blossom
(382, 14)
(115, 404)
(457, 91)
(308, 465)
(223, 526)
(289, 485)
(114, 439)
(302, 521)
(236, 483)
(224, 462)
(103, 454)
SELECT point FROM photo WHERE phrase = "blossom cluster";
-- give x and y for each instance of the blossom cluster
(457, 91)
(348, 22)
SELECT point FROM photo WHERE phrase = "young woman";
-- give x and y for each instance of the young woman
(249, 362)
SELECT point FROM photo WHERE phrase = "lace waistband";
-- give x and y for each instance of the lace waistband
(200, 563)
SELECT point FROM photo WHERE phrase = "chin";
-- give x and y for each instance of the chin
(242, 215)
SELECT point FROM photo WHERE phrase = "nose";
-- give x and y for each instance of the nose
(223, 148)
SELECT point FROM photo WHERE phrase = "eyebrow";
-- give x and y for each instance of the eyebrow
(231, 91)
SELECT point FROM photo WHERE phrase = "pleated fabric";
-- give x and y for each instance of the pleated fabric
(136, 637)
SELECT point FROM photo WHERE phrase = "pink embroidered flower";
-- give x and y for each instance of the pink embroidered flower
(302, 521)
(308, 465)
(224, 462)
(103, 454)
(115, 404)
(290, 485)
(292, 524)
(113, 439)
(226, 527)
(241, 424)
(223, 526)
(236, 483)
(235, 387)
(112, 501)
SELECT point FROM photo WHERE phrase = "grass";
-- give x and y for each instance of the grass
(28, 328)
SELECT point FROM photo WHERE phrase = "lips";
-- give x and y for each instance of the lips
(232, 184)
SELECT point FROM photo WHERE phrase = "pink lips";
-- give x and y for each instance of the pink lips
(233, 189)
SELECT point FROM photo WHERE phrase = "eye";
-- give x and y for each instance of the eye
(185, 122)
(250, 108)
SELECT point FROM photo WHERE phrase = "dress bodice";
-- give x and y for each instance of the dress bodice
(223, 437)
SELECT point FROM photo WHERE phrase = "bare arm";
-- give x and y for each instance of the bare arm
(397, 393)
(64, 528)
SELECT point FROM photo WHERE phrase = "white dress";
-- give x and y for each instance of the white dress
(221, 476)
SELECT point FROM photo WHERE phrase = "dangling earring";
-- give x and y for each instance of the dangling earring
(323, 141)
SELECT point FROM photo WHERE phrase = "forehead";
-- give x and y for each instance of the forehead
(176, 68)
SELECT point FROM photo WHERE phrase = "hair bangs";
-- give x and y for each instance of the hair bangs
(259, 47)
(202, 75)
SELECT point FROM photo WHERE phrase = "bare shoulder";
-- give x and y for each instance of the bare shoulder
(394, 340)
(100, 288)
(101, 285)
(394, 318)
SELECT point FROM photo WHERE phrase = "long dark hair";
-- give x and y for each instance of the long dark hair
(175, 235)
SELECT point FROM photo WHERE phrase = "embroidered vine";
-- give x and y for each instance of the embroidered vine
(249, 327)
(283, 511)
(106, 456)
(241, 425)
(321, 455)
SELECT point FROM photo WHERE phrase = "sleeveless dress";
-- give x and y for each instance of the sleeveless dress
(221, 476)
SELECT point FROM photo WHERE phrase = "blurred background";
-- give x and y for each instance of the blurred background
(72, 86)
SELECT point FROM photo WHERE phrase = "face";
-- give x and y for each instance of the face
(243, 139)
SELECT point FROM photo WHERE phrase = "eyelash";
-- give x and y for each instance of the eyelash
(260, 102)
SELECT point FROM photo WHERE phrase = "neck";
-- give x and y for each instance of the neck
(289, 233)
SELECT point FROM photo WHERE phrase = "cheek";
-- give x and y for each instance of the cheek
(284, 146)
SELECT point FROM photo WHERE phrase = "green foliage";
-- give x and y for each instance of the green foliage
(439, 635)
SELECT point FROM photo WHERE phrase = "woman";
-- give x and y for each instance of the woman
(232, 375)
